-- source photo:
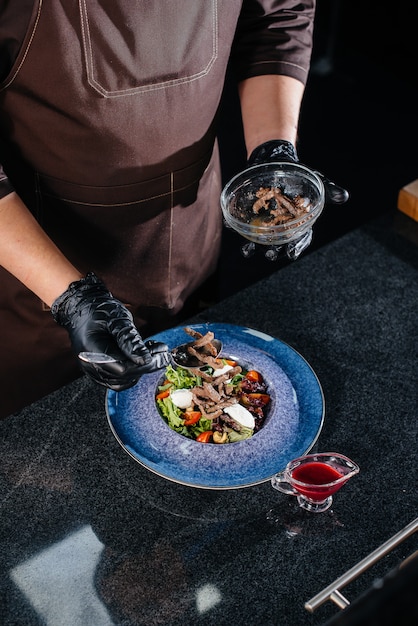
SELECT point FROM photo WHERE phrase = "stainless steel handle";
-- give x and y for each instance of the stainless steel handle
(333, 593)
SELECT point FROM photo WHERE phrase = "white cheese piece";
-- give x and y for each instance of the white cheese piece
(182, 398)
(241, 415)
(222, 370)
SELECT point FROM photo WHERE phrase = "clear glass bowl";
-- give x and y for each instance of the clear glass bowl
(272, 221)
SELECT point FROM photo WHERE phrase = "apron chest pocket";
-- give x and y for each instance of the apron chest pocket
(135, 47)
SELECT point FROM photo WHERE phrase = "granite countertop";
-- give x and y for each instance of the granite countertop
(89, 537)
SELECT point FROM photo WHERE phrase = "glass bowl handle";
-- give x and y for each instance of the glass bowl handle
(281, 483)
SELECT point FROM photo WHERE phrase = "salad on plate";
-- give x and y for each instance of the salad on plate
(219, 402)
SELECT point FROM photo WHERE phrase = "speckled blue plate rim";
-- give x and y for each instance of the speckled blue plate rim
(293, 425)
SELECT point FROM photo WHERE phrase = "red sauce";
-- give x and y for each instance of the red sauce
(314, 475)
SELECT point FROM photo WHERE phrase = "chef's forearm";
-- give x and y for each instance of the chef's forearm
(28, 253)
(270, 107)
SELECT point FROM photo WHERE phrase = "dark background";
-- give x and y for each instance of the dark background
(358, 126)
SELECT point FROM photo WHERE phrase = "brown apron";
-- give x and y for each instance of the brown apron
(107, 130)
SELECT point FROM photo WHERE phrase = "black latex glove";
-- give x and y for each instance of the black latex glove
(98, 322)
(280, 150)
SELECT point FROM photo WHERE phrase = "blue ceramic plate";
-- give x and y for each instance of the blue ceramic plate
(292, 426)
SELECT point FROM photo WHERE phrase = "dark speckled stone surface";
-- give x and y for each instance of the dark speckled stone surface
(91, 538)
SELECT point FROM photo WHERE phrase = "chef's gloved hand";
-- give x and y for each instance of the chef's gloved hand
(98, 322)
(281, 150)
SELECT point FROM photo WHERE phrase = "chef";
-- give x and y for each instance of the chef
(110, 183)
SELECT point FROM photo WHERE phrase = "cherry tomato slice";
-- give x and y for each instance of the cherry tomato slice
(257, 399)
(205, 437)
(191, 417)
(253, 375)
(163, 394)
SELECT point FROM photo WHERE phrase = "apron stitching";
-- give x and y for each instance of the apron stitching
(173, 189)
(86, 37)
(137, 90)
(38, 15)
(303, 69)
(215, 29)
(103, 204)
(170, 245)
(161, 195)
